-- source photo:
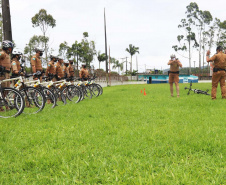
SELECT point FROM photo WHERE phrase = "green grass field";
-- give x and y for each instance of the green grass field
(121, 137)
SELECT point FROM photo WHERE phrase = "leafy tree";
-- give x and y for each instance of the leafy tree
(35, 41)
(87, 50)
(204, 18)
(209, 34)
(75, 50)
(189, 37)
(63, 49)
(132, 50)
(43, 21)
(101, 57)
(133, 73)
(118, 65)
(221, 35)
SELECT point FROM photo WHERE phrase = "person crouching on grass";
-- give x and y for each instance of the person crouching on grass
(174, 74)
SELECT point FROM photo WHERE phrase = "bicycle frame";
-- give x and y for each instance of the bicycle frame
(1, 89)
(197, 91)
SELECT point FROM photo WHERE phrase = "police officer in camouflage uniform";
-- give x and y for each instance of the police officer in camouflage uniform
(59, 68)
(70, 68)
(16, 67)
(5, 64)
(174, 73)
(36, 62)
(51, 68)
(219, 71)
(66, 69)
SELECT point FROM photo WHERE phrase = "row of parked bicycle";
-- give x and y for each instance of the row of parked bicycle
(30, 97)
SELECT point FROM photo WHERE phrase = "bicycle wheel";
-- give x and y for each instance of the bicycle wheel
(72, 93)
(101, 89)
(86, 92)
(60, 97)
(81, 92)
(94, 90)
(34, 100)
(11, 103)
(49, 97)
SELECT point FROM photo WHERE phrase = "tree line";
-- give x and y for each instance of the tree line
(82, 51)
(201, 32)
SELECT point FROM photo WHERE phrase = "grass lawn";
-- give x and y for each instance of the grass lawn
(121, 137)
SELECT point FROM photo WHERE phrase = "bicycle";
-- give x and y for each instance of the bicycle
(85, 89)
(71, 91)
(11, 101)
(50, 98)
(34, 98)
(197, 91)
(96, 88)
(53, 86)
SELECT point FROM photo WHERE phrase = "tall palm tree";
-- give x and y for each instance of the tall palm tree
(101, 57)
(118, 65)
(132, 50)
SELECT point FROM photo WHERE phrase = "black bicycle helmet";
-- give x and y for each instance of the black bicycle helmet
(6, 44)
(39, 49)
(53, 56)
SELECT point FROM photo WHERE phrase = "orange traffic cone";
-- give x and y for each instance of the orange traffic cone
(141, 91)
(145, 93)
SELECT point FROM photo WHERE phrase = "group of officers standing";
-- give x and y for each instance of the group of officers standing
(218, 63)
(57, 68)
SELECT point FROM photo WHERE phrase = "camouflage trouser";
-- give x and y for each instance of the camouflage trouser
(217, 77)
(4, 77)
(173, 77)
(4, 84)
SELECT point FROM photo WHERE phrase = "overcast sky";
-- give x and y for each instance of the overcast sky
(150, 25)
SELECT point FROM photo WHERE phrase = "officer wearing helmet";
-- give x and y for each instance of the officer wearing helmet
(51, 68)
(84, 73)
(5, 63)
(16, 68)
(70, 68)
(66, 69)
(174, 73)
(59, 68)
(36, 62)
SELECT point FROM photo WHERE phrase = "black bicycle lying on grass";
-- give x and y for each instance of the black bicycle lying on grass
(197, 91)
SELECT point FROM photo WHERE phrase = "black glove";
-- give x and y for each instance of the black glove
(38, 73)
(2, 69)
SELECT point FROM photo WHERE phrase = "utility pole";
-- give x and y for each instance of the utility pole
(137, 67)
(109, 67)
(106, 53)
(77, 60)
(126, 65)
(137, 63)
(194, 67)
(7, 31)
